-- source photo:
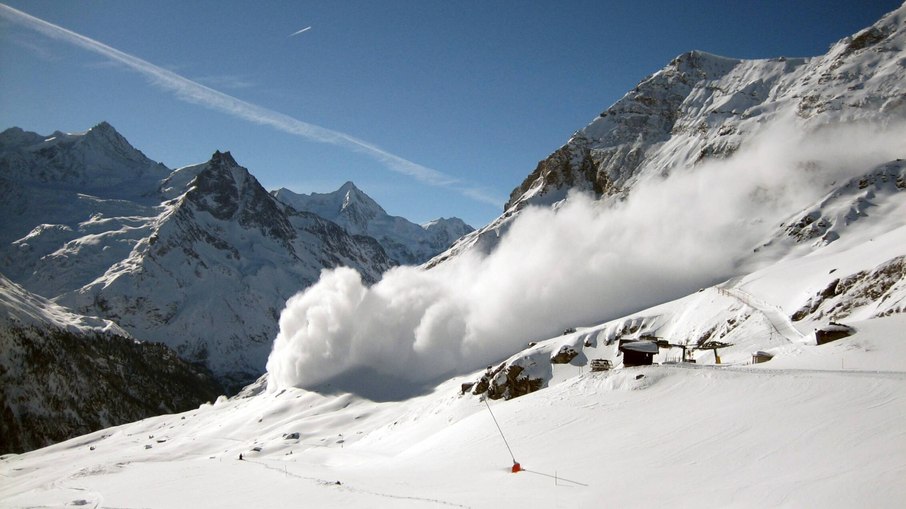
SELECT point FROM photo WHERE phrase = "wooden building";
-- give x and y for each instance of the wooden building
(760, 356)
(638, 352)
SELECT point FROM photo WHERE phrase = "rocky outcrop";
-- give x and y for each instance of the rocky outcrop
(872, 290)
(832, 332)
(565, 354)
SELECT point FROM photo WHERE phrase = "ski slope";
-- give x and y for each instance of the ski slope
(798, 432)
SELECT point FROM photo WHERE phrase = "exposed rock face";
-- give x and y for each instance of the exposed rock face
(62, 375)
(565, 354)
(878, 288)
(505, 382)
(832, 332)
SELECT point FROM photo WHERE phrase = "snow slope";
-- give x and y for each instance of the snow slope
(803, 433)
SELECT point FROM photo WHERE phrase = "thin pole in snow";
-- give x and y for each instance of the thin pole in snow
(500, 430)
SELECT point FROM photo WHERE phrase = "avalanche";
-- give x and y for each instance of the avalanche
(752, 248)
(816, 425)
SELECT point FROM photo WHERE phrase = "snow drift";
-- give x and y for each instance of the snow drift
(580, 262)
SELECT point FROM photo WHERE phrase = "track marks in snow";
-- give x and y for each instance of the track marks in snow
(780, 323)
(345, 487)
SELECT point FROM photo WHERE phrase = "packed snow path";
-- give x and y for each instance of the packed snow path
(775, 316)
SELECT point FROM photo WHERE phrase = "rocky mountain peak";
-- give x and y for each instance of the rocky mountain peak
(106, 139)
(103, 128)
(228, 191)
(703, 107)
(222, 160)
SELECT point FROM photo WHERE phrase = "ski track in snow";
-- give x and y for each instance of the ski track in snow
(346, 487)
(731, 368)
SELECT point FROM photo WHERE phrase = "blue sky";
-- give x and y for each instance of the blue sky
(443, 107)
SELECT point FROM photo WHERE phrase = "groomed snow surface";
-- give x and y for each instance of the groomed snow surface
(818, 426)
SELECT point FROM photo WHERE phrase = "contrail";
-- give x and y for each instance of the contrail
(196, 93)
(300, 31)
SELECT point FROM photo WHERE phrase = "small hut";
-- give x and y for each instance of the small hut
(638, 352)
(761, 356)
(832, 332)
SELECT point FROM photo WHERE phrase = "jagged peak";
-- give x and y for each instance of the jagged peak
(103, 126)
(222, 164)
(701, 61)
(441, 221)
(697, 56)
(13, 131)
(223, 159)
(102, 130)
(105, 137)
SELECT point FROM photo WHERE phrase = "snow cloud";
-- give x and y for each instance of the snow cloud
(582, 262)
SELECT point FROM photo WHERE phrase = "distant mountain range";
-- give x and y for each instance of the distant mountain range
(201, 258)
(405, 242)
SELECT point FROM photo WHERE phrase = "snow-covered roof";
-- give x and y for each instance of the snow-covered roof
(640, 346)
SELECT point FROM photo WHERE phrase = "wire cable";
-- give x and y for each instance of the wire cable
(500, 430)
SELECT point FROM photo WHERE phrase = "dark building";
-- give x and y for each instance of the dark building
(638, 353)
(832, 332)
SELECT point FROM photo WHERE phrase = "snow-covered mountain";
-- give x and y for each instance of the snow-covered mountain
(217, 266)
(797, 216)
(63, 375)
(73, 205)
(703, 107)
(783, 432)
(201, 258)
(406, 242)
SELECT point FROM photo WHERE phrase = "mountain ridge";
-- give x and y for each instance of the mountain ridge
(201, 258)
(702, 107)
(406, 242)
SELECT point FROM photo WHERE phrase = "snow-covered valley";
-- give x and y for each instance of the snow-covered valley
(805, 431)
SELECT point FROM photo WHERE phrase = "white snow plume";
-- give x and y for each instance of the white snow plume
(579, 263)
